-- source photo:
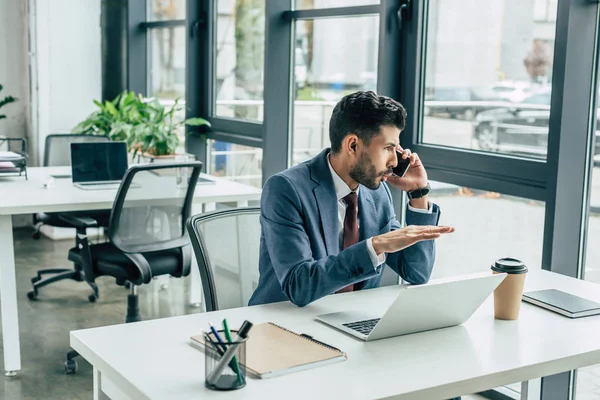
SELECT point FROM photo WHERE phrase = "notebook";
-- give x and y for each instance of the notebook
(563, 303)
(272, 351)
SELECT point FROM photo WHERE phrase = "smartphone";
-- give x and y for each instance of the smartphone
(402, 167)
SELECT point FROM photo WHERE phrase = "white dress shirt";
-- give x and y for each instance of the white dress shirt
(341, 191)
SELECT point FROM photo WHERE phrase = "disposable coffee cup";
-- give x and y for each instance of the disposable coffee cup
(507, 296)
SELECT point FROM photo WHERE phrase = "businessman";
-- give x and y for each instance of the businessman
(328, 224)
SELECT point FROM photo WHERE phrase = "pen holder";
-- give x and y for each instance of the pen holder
(233, 375)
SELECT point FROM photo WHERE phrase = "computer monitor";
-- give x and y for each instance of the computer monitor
(98, 161)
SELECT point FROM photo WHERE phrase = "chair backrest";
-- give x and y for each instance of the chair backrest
(57, 151)
(227, 244)
(152, 205)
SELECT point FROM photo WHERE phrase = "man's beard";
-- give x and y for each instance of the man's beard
(364, 172)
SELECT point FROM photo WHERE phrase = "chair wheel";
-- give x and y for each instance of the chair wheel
(35, 279)
(32, 295)
(70, 366)
(36, 235)
(92, 298)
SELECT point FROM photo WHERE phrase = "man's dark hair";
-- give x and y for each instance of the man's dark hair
(363, 113)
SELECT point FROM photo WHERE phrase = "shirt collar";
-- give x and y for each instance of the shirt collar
(341, 189)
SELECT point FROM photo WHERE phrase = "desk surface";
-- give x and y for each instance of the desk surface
(153, 360)
(20, 196)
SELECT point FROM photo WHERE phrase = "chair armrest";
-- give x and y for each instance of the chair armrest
(79, 222)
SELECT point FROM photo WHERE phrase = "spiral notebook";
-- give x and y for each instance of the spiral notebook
(272, 351)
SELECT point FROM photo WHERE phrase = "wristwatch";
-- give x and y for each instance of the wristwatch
(416, 194)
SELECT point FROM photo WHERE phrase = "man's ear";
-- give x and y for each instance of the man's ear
(351, 143)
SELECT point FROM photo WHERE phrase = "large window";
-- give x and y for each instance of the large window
(488, 226)
(239, 50)
(167, 63)
(333, 57)
(235, 162)
(488, 74)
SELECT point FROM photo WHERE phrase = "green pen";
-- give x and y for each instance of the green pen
(236, 367)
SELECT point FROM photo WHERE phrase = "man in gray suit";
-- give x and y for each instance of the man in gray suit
(328, 224)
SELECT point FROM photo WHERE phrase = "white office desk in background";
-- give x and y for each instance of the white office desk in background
(20, 196)
(153, 360)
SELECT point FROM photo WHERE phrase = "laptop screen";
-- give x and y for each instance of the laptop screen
(98, 161)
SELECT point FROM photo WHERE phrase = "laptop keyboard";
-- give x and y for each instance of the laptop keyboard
(365, 326)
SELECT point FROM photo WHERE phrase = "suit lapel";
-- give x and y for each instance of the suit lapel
(366, 214)
(326, 202)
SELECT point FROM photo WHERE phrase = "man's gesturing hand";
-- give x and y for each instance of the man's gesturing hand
(402, 238)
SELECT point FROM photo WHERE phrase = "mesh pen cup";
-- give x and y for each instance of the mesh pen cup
(222, 374)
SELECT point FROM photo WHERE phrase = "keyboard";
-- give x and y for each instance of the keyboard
(365, 326)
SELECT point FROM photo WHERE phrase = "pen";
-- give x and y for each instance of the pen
(217, 336)
(236, 367)
(216, 347)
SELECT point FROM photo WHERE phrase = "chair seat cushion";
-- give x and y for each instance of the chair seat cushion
(53, 218)
(108, 260)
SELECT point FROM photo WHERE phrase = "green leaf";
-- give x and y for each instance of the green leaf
(197, 122)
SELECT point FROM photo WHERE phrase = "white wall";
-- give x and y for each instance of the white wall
(13, 67)
(67, 63)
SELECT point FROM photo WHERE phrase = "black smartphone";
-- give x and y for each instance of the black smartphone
(402, 167)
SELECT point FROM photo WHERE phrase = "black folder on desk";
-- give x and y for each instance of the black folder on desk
(563, 303)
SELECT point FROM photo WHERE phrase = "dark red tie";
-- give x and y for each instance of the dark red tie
(350, 228)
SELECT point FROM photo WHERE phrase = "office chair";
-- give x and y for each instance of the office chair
(226, 244)
(57, 152)
(146, 232)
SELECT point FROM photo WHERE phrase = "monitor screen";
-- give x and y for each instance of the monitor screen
(98, 161)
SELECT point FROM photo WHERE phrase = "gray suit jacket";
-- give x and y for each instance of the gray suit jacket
(300, 258)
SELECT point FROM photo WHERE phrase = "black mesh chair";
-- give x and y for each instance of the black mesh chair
(57, 153)
(146, 229)
(146, 232)
(226, 244)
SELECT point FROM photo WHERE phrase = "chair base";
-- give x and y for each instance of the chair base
(133, 310)
(59, 274)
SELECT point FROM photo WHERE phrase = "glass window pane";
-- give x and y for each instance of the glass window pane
(488, 75)
(488, 226)
(167, 63)
(166, 73)
(163, 10)
(235, 162)
(321, 78)
(588, 379)
(310, 4)
(240, 53)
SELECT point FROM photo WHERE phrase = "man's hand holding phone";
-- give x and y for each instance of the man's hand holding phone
(411, 174)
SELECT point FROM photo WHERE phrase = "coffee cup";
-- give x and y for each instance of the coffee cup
(507, 296)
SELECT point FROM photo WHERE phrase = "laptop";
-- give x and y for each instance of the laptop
(98, 165)
(419, 308)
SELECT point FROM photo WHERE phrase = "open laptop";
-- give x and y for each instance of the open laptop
(98, 165)
(420, 308)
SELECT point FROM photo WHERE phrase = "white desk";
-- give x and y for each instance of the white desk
(153, 360)
(20, 196)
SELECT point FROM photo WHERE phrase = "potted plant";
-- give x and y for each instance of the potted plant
(150, 130)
